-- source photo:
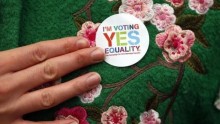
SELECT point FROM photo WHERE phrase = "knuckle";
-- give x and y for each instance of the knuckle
(4, 110)
(68, 45)
(79, 87)
(2, 64)
(7, 108)
(7, 89)
(47, 100)
(4, 91)
(50, 71)
(39, 54)
(80, 59)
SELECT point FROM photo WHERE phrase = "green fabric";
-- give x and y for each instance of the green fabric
(25, 22)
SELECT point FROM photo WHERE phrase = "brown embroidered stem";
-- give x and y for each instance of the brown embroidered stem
(155, 91)
(174, 92)
(170, 117)
(88, 13)
(132, 76)
(108, 99)
(119, 85)
(141, 70)
(168, 65)
(86, 7)
(136, 68)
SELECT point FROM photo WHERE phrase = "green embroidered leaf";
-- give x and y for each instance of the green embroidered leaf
(193, 22)
(116, 7)
(195, 63)
(152, 103)
(94, 113)
(178, 10)
(201, 38)
(216, 5)
(79, 21)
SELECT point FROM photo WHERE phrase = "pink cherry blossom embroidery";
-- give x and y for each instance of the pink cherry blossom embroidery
(150, 117)
(114, 115)
(141, 9)
(176, 3)
(88, 31)
(77, 113)
(176, 43)
(217, 102)
(90, 96)
(200, 6)
(163, 16)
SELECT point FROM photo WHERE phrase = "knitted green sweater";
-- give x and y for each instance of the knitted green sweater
(180, 93)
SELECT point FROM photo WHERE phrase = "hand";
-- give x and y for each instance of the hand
(25, 68)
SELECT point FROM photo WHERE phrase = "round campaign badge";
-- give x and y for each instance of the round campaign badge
(124, 39)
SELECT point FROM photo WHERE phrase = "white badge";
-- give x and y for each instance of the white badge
(124, 39)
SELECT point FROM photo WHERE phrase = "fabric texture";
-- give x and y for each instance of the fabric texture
(180, 93)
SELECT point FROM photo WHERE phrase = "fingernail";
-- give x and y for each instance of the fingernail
(93, 80)
(97, 55)
(82, 43)
(74, 122)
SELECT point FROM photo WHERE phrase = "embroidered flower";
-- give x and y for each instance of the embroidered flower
(150, 117)
(141, 9)
(114, 115)
(200, 6)
(77, 113)
(89, 96)
(163, 16)
(176, 3)
(88, 31)
(217, 102)
(176, 43)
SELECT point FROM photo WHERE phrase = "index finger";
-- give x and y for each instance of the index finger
(23, 57)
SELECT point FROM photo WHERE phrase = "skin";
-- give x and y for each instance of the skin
(25, 68)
